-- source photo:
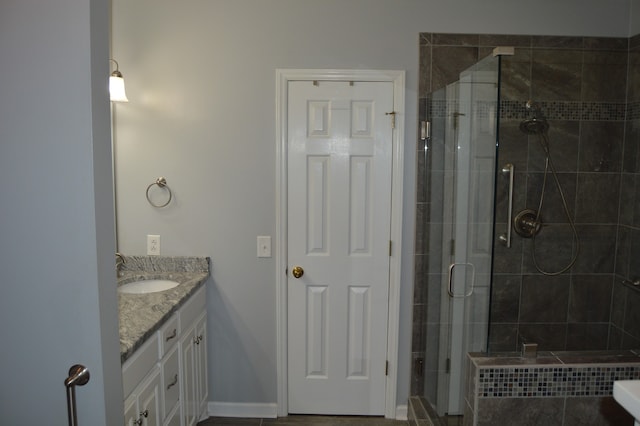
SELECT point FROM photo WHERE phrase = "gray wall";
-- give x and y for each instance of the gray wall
(211, 133)
(58, 305)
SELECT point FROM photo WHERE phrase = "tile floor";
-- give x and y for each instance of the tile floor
(419, 415)
(422, 414)
(304, 420)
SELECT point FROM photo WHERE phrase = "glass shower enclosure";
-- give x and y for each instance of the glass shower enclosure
(460, 168)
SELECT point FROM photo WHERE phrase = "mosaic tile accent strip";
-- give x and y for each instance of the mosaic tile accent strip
(443, 108)
(559, 110)
(553, 110)
(553, 381)
(633, 110)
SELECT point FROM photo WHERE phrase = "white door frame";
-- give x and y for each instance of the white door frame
(283, 76)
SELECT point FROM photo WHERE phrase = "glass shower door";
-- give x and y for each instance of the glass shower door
(469, 141)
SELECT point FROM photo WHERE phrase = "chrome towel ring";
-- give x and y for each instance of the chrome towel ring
(162, 183)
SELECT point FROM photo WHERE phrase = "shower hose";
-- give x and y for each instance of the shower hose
(548, 165)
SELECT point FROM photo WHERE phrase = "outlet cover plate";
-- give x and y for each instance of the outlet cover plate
(153, 245)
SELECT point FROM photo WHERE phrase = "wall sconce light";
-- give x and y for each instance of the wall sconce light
(116, 85)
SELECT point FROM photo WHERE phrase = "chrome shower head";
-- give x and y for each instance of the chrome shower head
(537, 124)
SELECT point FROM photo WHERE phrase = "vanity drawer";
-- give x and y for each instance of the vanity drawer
(171, 380)
(193, 308)
(169, 335)
(138, 366)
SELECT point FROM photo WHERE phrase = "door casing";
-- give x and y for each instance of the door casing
(397, 77)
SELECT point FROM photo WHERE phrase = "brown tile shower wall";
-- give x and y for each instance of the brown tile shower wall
(580, 84)
(589, 89)
(625, 316)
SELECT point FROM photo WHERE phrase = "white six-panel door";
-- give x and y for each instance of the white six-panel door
(339, 203)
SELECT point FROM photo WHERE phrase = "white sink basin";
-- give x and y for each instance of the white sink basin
(627, 393)
(147, 286)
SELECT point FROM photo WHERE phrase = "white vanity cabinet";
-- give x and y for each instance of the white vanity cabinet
(170, 369)
(194, 362)
(141, 384)
(201, 378)
(165, 380)
(194, 366)
(143, 405)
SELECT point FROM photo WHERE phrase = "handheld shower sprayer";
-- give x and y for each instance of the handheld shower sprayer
(528, 222)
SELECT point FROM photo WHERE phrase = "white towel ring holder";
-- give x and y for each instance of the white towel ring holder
(162, 183)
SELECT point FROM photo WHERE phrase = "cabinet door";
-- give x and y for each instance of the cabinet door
(170, 366)
(149, 400)
(189, 404)
(173, 419)
(200, 355)
(131, 412)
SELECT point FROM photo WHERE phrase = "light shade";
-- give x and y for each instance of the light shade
(116, 88)
(116, 85)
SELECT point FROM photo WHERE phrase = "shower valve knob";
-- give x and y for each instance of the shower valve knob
(527, 223)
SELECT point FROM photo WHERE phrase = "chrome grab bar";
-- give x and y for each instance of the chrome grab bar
(506, 238)
(473, 280)
(78, 376)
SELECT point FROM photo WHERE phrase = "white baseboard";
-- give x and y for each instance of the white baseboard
(243, 409)
(402, 412)
(265, 410)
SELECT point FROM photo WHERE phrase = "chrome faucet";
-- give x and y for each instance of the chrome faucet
(119, 261)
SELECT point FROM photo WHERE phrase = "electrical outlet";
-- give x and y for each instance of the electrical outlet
(264, 246)
(153, 245)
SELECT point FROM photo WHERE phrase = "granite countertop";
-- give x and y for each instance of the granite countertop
(141, 315)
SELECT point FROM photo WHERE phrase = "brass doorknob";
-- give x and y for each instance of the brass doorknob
(297, 271)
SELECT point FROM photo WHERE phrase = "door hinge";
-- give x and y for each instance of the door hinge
(389, 248)
(386, 368)
(425, 130)
(448, 366)
(456, 118)
(418, 366)
(393, 118)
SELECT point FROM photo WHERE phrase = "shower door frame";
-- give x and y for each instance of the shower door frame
(467, 241)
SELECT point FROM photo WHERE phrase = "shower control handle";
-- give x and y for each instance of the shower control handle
(506, 238)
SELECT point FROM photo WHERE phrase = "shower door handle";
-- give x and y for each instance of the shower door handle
(506, 238)
(450, 279)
